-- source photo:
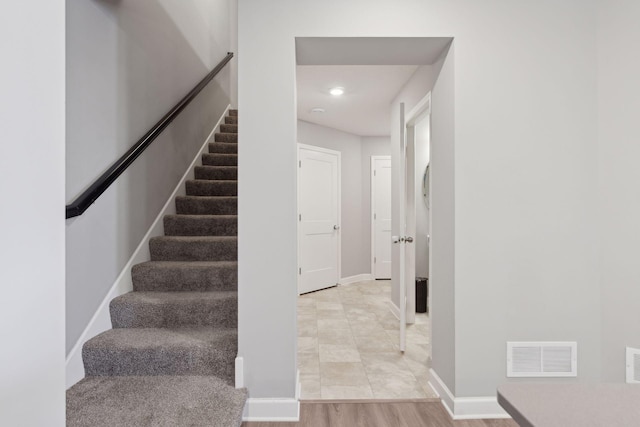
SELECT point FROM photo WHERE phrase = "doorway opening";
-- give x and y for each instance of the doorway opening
(359, 336)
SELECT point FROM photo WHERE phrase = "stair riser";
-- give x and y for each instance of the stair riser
(219, 159)
(229, 120)
(228, 128)
(215, 173)
(148, 277)
(206, 206)
(167, 361)
(189, 225)
(137, 314)
(163, 250)
(226, 137)
(223, 148)
(212, 188)
(233, 113)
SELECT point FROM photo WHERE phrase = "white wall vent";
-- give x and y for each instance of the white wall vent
(542, 359)
(633, 365)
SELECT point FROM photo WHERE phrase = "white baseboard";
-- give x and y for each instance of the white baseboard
(465, 408)
(442, 391)
(395, 310)
(101, 320)
(271, 410)
(355, 279)
(239, 372)
(274, 410)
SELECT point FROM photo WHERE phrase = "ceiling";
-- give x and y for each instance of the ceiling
(370, 50)
(371, 69)
(364, 109)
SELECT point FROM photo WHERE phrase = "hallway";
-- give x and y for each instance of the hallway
(348, 346)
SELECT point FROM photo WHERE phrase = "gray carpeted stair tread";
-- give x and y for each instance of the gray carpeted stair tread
(158, 401)
(185, 276)
(194, 248)
(200, 225)
(175, 309)
(226, 137)
(228, 128)
(162, 351)
(223, 147)
(206, 205)
(217, 172)
(211, 187)
(218, 159)
(170, 358)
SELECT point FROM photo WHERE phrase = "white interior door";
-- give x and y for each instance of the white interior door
(318, 218)
(381, 216)
(400, 240)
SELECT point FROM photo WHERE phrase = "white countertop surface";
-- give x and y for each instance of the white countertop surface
(569, 405)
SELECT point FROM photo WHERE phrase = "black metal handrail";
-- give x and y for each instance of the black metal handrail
(99, 186)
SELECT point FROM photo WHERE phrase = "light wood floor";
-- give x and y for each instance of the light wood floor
(379, 414)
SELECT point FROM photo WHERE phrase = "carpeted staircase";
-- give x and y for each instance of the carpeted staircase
(169, 359)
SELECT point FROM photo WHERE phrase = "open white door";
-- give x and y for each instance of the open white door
(407, 220)
(318, 218)
(400, 240)
(413, 132)
(410, 224)
(381, 216)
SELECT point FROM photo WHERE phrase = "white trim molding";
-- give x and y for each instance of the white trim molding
(395, 310)
(239, 372)
(355, 279)
(101, 320)
(273, 409)
(466, 408)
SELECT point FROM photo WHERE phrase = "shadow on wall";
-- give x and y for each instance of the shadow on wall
(128, 63)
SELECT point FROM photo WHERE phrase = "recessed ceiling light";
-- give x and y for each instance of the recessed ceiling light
(337, 91)
(317, 110)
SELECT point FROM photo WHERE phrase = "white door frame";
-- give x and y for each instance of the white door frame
(418, 113)
(339, 155)
(372, 208)
(401, 238)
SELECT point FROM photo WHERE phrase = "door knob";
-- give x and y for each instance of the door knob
(336, 227)
(408, 239)
(397, 239)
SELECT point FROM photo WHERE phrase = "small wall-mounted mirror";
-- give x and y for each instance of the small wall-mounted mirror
(425, 186)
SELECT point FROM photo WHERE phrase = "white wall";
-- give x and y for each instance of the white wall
(442, 264)
(617, 196)
(128, 63)
(439, 80)
(525, 152)
(32, 187)
(356, 188)
(354, 261)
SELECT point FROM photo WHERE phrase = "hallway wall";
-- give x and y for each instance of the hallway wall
(354, 260)
(523, 192)
(128, 62)
(356, 189)
(32, 186)
(617, 196)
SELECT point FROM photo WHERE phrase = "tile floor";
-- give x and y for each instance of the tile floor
(348, 346)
